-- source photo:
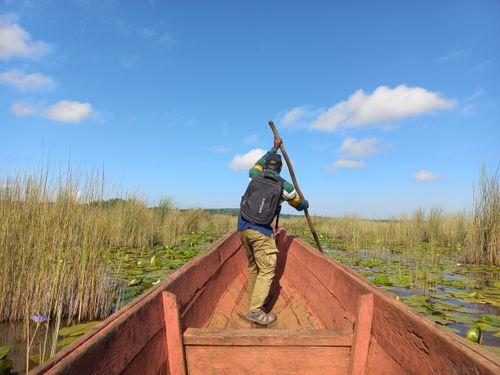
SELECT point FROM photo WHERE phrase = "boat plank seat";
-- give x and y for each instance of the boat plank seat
(267, 351)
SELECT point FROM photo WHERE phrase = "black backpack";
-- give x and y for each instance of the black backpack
(261, 201)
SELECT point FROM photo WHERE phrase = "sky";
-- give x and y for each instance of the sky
(383, 106)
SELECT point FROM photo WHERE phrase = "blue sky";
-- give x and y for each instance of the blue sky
(383, 107)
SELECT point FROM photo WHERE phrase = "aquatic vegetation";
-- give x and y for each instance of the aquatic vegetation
(133, 277)
(5, 363)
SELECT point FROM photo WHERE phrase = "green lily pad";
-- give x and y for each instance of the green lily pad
(486, 327)
(382, 280)
(78, 329)
(135, 272)
(5, 366)
(455, 317)
(493, 319)
(155, 262)
(147, 284)
(438, 318)
(4, 350)
(66, 341)
(443, 306)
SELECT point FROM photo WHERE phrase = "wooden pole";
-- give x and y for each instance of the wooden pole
(295, 184)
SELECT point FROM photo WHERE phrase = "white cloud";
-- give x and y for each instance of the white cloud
(348, 164)
(68, 111)
(26, 82)
(298, 117)
(351, 147)
(15, 41)
(294, 116)
(384, 104)
(246, 161)
(251, 138)
(21, 109)
(422, 176)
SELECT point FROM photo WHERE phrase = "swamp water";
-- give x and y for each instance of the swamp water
(431, 282)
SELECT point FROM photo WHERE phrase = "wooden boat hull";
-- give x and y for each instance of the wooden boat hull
(330, 320)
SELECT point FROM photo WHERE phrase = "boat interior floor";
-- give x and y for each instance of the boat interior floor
(228, 343)
(233, 305)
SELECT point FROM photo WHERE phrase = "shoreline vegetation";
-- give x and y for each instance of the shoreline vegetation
(64, 246)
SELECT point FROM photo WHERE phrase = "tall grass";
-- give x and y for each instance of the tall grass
(483, 241)
(55, 237)
(423, 227)
(475, 237)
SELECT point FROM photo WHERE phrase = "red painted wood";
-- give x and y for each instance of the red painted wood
(362, 335)
(282, 360)
(112, 349)
(175, 346)
(198, 312)
(152, 359)
(266, 337)
(379, 361)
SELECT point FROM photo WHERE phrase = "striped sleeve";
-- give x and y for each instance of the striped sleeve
(291, 196)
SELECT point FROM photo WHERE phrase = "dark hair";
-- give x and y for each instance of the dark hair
(274, 162)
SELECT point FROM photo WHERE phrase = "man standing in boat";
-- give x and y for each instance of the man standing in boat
(259, 206)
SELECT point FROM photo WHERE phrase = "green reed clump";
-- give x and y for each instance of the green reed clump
(483, 241)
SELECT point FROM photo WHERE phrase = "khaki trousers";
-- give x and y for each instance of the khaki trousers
(262, 254)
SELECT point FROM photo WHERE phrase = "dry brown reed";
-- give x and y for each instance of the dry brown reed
(483, 240)
(475, 237)
(55, 237)
(422, 227)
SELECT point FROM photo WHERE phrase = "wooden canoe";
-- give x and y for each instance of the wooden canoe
(330, 321)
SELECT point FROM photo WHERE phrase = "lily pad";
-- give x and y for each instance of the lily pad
(4, 350)
(66, 341)
(493, 319)
(382, 280)
(5, 366)
(486, 327)
(78, 329)
(438, 318)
